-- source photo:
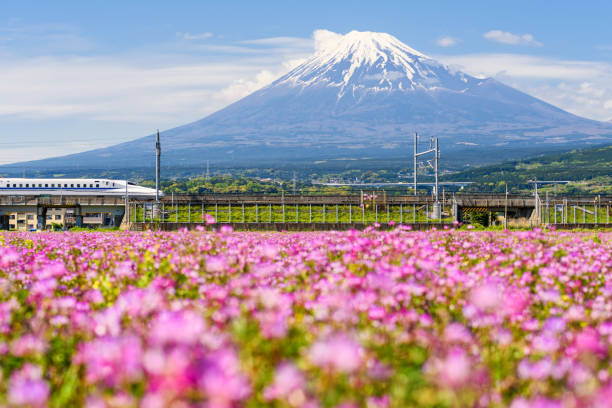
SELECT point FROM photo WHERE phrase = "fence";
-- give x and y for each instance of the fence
(573, 211)
(241, 212)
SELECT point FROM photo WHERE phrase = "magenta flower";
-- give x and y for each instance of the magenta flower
(112, 360)
(288, 384)
(27, 388)
(338, 352)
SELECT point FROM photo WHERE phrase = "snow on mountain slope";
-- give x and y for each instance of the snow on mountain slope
(362, 95)
(376, 61)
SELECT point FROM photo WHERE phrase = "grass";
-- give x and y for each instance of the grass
(293, 213)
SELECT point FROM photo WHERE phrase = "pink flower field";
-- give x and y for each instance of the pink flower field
(335, 319)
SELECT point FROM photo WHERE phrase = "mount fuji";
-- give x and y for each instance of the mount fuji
(363, 97)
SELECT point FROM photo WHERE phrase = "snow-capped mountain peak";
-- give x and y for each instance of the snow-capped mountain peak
(363, 61)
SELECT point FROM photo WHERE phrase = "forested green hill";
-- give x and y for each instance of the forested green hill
(589, 170)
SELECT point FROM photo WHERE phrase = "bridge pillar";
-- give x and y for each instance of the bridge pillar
(456, 211)
(78, 215)
(41, 218)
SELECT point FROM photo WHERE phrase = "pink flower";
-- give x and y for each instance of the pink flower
(27, 388)
(221, 380)
(216, 264)
(209, 219)
(184, 327)
(112, 360)
(337, 352)
(486, 297)
(27, 345)
(587, 341)
(456, 368)
(287, 380)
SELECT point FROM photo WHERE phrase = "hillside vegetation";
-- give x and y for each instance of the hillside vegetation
(588, 170)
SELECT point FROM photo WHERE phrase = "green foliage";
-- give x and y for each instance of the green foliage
(588, 171)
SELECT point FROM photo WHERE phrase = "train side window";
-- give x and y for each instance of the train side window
(72, 185)
(53, 185)
(46, 185)
(65, 185)
(97, 186)
(20, 185)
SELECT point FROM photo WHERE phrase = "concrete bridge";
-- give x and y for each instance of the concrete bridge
(461, 205)
(38, 212)
(33, 212)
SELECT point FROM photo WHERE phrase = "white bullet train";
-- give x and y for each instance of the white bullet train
(73, 187)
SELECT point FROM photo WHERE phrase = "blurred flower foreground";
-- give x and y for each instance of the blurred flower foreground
(336, 319)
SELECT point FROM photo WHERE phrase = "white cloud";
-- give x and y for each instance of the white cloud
(106, 89)
(580, 87)
(447, 41)
(294, 42)
(188, 36)
(120, 97)
(505, 37)
(325, 39)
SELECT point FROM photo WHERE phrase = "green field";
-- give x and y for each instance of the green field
(293, 213)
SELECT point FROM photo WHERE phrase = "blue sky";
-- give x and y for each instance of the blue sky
(76, 75)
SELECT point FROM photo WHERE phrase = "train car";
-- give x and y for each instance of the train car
(73, 187)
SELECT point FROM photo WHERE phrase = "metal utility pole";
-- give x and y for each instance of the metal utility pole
(435, 149)
(126, 211)
(294, 182)
(157, 165)
(416, 143)
(207, 170)
(436, 157)
(506, 209)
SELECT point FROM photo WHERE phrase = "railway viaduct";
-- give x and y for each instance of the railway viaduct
(460, 206)
(79, 206)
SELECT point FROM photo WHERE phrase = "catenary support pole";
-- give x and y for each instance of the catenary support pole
(416, 142)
